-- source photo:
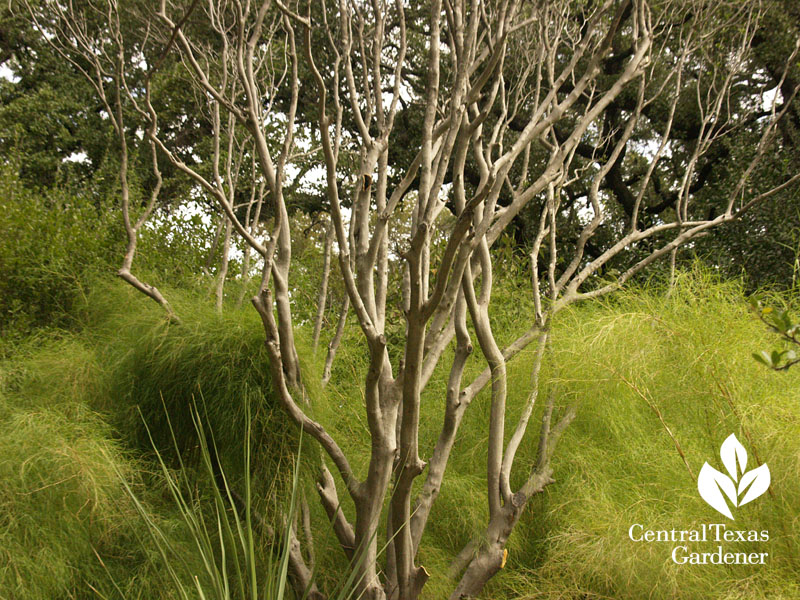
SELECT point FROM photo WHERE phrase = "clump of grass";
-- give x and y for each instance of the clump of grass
(151, 365)
(238, 561)
(225, 542)
(62, 504)
(62, 463)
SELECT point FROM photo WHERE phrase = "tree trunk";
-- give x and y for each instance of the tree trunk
(219, 291)
(323, 286)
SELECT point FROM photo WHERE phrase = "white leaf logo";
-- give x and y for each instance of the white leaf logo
(758, 480)
(718, 489)
(732, 452)
(709, 484)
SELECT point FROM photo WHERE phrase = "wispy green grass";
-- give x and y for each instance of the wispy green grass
(689, 354)
(62, 503)
(72, 432)
(151, 366)
(685, 354)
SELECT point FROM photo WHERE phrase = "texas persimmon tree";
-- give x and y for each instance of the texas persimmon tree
(505, 93)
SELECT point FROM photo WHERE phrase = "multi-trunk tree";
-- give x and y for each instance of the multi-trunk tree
(522, 106)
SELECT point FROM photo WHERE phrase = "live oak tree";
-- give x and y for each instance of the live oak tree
(522, 107)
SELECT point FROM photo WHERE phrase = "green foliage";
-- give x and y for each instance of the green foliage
(58, 243)
(77, 507)
(242, 557)
(173, 248)
(153, 366)
(226, 543)
(627, 360)
(52, 243)
(57, 487)
(129, 362)
(50, 117)
(782, 323)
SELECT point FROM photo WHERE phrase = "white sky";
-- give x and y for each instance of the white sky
(6, 73)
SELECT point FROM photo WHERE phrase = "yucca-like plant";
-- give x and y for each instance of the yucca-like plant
(225, 541)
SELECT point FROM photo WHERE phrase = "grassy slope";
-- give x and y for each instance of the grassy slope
(60, 493)
(70, 427)
(688, 353)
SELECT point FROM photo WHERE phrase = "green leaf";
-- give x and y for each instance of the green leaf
(763, 357)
